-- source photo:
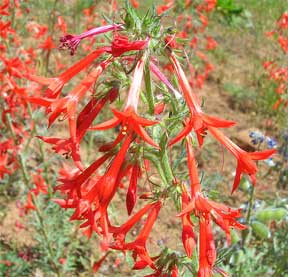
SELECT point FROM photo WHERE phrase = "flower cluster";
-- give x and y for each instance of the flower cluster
(193, 32)
(18, 124)
(278, 71)
(13, 104)
(89, 191)
(206, 211)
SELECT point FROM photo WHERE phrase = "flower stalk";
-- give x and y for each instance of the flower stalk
(138, 43)
(148, 87)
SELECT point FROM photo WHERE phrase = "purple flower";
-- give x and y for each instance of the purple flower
(257, 137)
(72, 41)
(271, 142)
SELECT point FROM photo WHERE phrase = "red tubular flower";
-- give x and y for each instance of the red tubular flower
(174, 272)
(207, 255)
(120, 232)
(188, 236)
(156, 71)
(159, 108)
(206, 210)
(193, 42)
(245, 160)
(4, 8)
(40, 187)
(102, 192)
(211, 43)
(139, 245)
(135, 4)
(283, 41)
(55, 85)
(29, 203)
(4, 165)
(12, 66)
(221, 214)
(192, 167)
(84, 120)
(70, 186)
(38, 30)
(210, 5)
(20, 92)
(88, 114)
(187, 3)
(131, 121)
(204, 20)
(90, 202)
(61, 24)
(163, 8)
(283, 21)
(5, 29)
(277, 104)
(170, 42)
(72, 41)
(40, 184)
(48, 44)
(67, 104)
(121, 44)
(97, 264)
(132, 190)
(198, 121)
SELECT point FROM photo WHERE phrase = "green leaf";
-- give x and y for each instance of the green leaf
(234, 236)
(261, 230)
(245, 185)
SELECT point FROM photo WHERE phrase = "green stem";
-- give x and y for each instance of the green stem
(111, 8)
(248, 215)
(19, 155)
(51, 23)
(13, 15)
(75, 16)
(250, 207)
(158, 166)
(46, 62)
(166, 166)
(10, 127)
(42, 153)
(149, 92)
(24, 170)
(251, 201)
(165, 162)
(52, 17)
(45, 236)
